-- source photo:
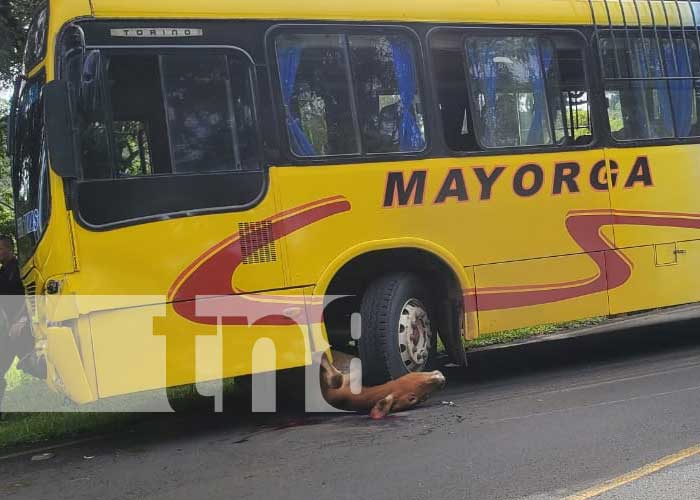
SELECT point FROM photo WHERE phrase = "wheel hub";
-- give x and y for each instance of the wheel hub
(415, 335)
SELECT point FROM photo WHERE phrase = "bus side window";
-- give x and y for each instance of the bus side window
(324, 117)
(615, 118)
(388, 93)
(188, 112)
(528, 90)
(315, 83)
(650, 87)
(573, 124)
(95, 160)
(450, 76)
(208, 109)
(508, 90)
(138, 117)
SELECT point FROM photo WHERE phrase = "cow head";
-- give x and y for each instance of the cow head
(407, 392)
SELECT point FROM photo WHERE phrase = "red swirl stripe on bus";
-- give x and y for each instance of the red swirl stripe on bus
(212, 273)
(614, 268)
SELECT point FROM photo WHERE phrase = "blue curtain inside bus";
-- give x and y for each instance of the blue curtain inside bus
(288, 61)
(482, 69)
(525, 69)
(649, 67)
(681, 90)
(410, 136)
(538, 74)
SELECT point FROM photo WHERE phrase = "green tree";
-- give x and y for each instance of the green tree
(7, 224)
(15, 16)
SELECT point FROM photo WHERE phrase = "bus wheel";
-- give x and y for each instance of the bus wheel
(397, 337)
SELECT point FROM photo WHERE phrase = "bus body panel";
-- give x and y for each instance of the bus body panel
(519, 283)
(152, 347)
(55, 255)
(656, 180)
(67, 372)
(186, 237)
(523, 256)
(554, 12)
(658, 282)
(537, 222)
(657, 225)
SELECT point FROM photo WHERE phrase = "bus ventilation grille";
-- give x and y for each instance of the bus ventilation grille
(30, 292)
(257, 243)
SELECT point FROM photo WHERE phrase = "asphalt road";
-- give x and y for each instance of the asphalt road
(609, 416)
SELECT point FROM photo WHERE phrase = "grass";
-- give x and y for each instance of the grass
(16, 378)
(508, 336)
(46, 416)
(19, 429)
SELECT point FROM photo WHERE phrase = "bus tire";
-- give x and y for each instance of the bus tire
(397, 337)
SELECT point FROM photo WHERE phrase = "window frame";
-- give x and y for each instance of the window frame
(43, 180)
(161, 49)
(29, 62)
(479, 127)
(71, 188)
(596, 44)
(423, 83)
(464, 31)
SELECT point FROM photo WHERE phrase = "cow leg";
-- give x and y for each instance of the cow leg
(331, 377)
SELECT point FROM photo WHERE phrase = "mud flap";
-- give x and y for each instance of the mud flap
(450, 318)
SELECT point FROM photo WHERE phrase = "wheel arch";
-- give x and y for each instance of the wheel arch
(350, 273)
(418, 244)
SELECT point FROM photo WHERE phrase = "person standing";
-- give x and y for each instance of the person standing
(16, 339)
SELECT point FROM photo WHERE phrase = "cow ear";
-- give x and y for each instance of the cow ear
(382, 408)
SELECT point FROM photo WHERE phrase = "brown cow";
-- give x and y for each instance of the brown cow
(396, 395)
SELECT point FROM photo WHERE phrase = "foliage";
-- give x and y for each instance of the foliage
(7, 223)
(35, 424)
(134, 153)
(509, 336)
(15, 16)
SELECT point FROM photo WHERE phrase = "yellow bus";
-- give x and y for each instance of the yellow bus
(446, 169)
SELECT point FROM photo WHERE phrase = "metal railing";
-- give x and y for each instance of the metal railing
(653, 23)
(641, 45)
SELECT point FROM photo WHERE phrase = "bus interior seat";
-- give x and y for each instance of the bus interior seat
(583, 140)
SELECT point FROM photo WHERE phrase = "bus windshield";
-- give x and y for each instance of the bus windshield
(179, 112)
(29, 167)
